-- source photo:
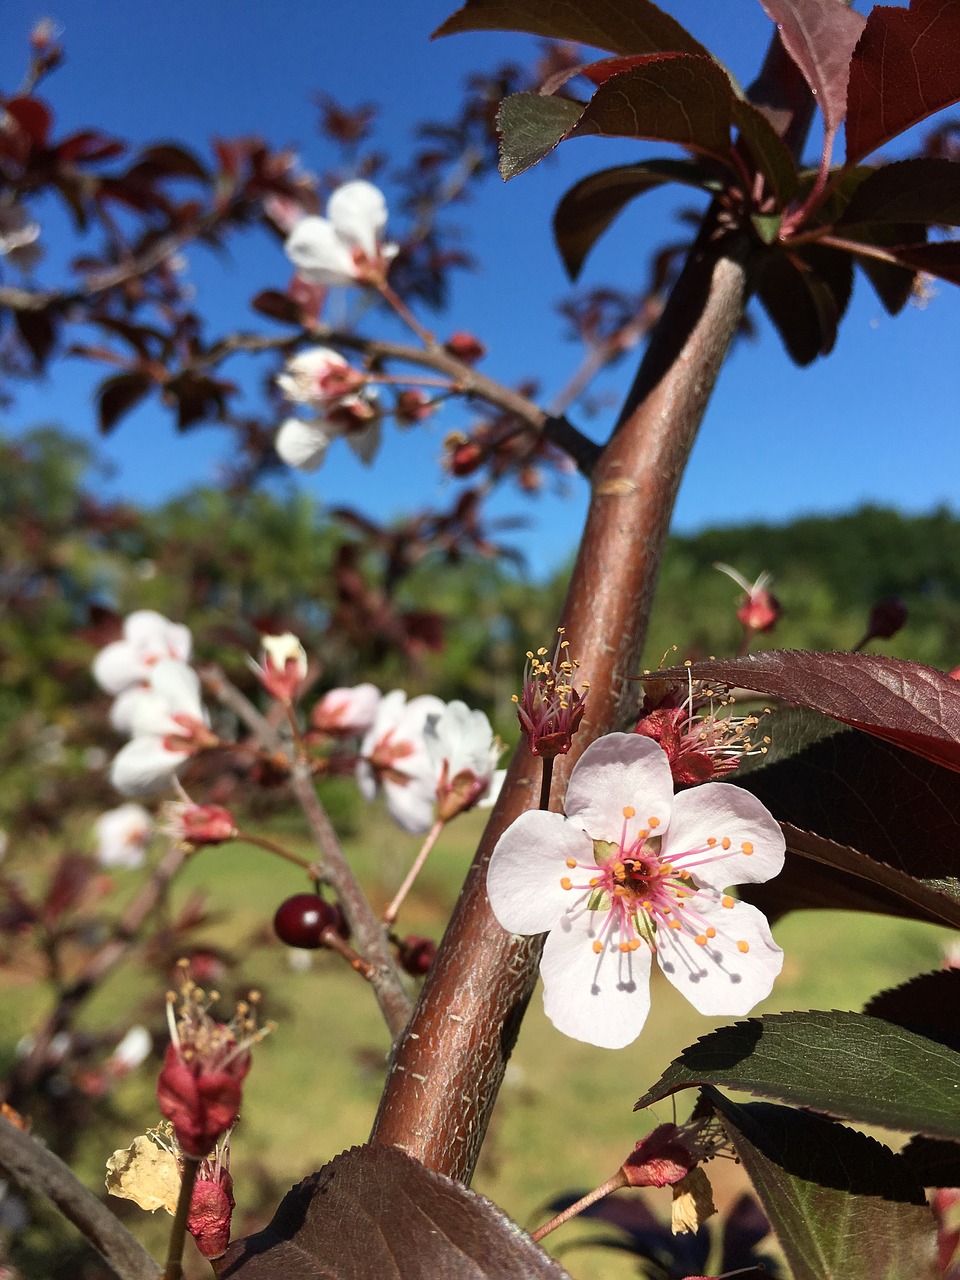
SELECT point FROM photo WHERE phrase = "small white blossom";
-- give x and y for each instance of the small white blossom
(342, 247)
(464, 752)
(347, 711)
(168, 724)
(394, 757)
(147, 638)
(122, 836)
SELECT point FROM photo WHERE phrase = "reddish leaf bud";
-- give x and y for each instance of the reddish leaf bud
(886, 618)
(199, 824)
(416, 955)
(465, 347)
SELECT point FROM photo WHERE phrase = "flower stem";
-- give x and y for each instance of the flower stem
(332, 940)
(393, 909)
(261, 842)
(618, 1180)
(405, 314)
(546, 779)
(178, 1232)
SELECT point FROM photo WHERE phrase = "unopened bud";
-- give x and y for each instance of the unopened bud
(465, 347)
(416, 955)
(886, 618)
(412, 406)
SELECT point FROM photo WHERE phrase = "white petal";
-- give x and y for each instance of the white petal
(526, 867)
(719, 811)
(180, 685)
(122, 835)
(411, 804)
(302, 444)
(602, 999)
(148, 715)
(619, 770)
(493, 790)
(133, 1048)
(719, 978)
(366, 442)
(358, 212)
(320, 255)
(366, 780)
(117, 666)
(122, 709)
(144, 766)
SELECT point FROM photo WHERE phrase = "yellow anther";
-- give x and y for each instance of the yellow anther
(711, 841)
(624, 946)
(653, 822)
(629, 811)
(571, 863)
(726, 901)
(743, 946)
(597, 946)
(747, 847)
(642, 833)
(634, 943)
(711, 932)
(725, 842)
(701, 939)
(674, 924)
(595, 880)
(566, 883)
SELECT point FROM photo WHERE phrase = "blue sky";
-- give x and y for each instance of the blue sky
(876, 421)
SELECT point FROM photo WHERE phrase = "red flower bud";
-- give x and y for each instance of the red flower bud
(211, 1208)
(662, 1159)
(416, 955)
(465, 347)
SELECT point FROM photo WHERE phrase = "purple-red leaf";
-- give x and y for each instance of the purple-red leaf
(118, 395)
(38, 333)
(905, 67)
(907, 703)
(939, 259)
(819, 35)
(676, 98)
(587, 209)
(766, 148)
(805, 293)
(637, 27)
(374, 1211)
(925, 191)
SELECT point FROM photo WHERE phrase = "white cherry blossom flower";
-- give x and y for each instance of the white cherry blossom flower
(465, 753)
(344, 247)
(121, 836)
(168, 723)
(304, 445)
(347, 711)
(131, 1051)
(319, 377)
(633, 871)
(394, 756)
(148, 637)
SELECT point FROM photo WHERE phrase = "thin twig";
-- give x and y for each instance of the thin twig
(178, 1228)
(38, 1170)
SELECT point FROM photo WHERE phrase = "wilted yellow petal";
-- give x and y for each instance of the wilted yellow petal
(145, 1174)
(692, 1202)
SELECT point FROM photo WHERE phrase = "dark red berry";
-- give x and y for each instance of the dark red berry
(416, 954)
(302, 920)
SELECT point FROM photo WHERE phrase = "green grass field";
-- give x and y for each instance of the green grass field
(564, 1119)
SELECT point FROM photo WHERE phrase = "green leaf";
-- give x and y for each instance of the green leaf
(842, 1205)
(588, 208)
(766, 225)
(530, 126)
(844, 1064)
(675, 98)
(637, 27)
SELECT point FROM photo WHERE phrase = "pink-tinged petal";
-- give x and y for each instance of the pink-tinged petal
(617, 770)
(721, 812)
(721, 978)
(320, 255)
(358, 212)
(602, 999)
(302, 444)
(154, 635)
(526, 869)
(411, 804)
(144, 766)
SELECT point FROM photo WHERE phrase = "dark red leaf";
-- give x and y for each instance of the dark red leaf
(928, 1004)
(907, 703)
(935, 1162)
(169, 160)
(588, 208)
(38, 333)
(805, 293)
(32, 116)
(374, 1211)
(68, 884)
(637, 27)
(277, 305)
(939, 259)
(904, 68)
(678, 98)
(920, 191)
(819, 36)
(116, 396)
(894, 285)
(89, 145)
(769, 152)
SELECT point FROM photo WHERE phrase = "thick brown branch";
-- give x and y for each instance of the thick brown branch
(33, 1168)
(448, 1067)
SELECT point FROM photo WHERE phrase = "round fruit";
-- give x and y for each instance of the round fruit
(302, 920)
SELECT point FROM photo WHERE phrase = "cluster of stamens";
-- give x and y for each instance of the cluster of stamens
(550, 708)
(641, 893)
(197, 1037)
